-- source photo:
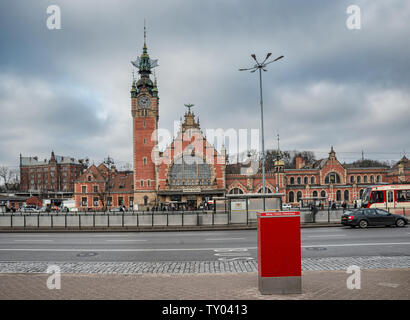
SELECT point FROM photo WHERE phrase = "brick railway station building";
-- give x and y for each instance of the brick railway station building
(191, 171)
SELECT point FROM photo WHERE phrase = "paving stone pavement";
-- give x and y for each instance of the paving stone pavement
(378, 284)
(182, 267)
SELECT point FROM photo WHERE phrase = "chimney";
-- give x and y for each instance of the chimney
(300, 163)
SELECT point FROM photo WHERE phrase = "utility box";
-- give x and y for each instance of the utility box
(279, 252)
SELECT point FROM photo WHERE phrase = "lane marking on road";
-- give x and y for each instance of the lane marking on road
(33, 240)
(327, 235)
(122, 240)
(221, 239)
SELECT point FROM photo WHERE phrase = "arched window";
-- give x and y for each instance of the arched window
(89, 178)
(299, 195)
(315, 193)
(352, 179)
(312, 180)
(358, 179)
(332, 178)
(338, 195)
(323, 193)
(371, 179)
(365, 179)
(305, 180)
(378, 178)
(346, 195)
(267, 190)
(235, 191)
(189, 170)
(299, 180)
(291, 196)
(292, 180)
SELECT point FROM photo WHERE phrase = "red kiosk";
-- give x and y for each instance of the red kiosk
(279, 252)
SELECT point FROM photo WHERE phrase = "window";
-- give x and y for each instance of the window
(299, 195)
(84, 201)
(332, 178)
(305, 180)
(292, 180)
(314, 193)
(267, 190)
(378, 179)
(291, 197)
(338, 195)
(109, 201)
(323, 193)
(189, 170)
(131, 201)
(312, 180)
(142, 183)
(95, 201)
(120, 201)
(95, 189)
(358, 179)
(149, 183)
(365, 179)
(235, 191)
(381, 212)
(299, 180)
(403, 195)
(346, 195)
(145, 161)
(377, 197)
(361, 193)
(144, 124)
(145, 140)
(83, 189)
(89, 178)
(351, 179)
(145, 200)
(371, 179)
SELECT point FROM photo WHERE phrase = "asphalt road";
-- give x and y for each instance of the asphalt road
(196, 245)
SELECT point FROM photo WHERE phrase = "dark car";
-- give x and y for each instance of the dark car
(372, 217)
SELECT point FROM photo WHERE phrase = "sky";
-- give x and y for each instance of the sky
(68, 89)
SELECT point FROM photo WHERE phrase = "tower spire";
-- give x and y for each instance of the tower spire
(145, 36)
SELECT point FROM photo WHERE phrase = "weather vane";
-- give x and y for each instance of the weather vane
(189, 106)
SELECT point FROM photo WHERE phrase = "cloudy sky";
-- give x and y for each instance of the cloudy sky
(68, 90)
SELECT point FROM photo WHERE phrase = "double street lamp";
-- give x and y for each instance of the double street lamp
(261, 66)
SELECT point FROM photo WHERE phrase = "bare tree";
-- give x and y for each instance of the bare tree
(10, 178)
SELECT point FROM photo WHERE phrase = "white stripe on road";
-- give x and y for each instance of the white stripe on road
(33, 240)
(198, 249)
(327, 235)
(220, 239)
(117, 240)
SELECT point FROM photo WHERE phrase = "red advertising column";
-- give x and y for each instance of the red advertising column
(279, 252)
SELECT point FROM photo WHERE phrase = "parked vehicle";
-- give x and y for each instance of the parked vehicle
(69, 206)
(286, 206)
(28, 209)
(372, 217)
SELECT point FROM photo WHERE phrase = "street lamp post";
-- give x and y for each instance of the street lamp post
(261, 66)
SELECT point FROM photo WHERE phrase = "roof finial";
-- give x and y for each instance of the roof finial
(145, 35)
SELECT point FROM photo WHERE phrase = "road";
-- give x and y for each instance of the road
(195, 245)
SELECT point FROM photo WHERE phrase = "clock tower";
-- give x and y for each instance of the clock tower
(144, 110)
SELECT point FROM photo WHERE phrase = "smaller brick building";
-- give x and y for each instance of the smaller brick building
(55, 175)
(100, 188)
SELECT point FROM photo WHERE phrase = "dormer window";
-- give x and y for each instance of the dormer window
(89, 178)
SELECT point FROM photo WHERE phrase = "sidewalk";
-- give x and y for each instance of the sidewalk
(379, 284)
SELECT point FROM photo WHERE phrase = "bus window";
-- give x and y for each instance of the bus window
(403, 195)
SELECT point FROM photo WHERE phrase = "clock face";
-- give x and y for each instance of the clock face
(144, 101)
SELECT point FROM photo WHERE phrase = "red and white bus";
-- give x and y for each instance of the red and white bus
(392, 197)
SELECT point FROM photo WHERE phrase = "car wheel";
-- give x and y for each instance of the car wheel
(400, 223)
(363, 224)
